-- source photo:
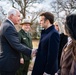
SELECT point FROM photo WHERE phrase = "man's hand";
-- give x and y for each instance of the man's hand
(56, 73)
(21, 61)
(46, 73)
(34, 51)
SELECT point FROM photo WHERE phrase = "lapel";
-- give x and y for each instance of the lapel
(7, 21)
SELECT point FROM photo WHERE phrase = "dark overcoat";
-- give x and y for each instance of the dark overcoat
(63, 41)
(47, 54)
(10, 48)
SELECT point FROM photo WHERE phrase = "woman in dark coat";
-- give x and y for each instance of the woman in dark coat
(63, 40)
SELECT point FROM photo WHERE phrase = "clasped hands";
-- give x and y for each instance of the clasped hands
(34, 51)
(33, 54)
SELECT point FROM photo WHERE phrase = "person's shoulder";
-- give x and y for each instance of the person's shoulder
(21, 32)
(5, 24)
(63, 35)
(55, 32)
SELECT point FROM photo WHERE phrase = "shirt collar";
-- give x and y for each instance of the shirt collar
(10, 21)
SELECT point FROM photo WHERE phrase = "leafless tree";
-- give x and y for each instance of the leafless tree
(66, 6)
(23, 5)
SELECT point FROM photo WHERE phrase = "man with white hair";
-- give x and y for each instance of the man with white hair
(10, 45)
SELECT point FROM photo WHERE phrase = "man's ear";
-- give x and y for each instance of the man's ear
(11, 16)
(47, 21)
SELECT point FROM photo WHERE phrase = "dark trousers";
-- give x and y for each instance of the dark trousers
(7, 73)
(23, 68)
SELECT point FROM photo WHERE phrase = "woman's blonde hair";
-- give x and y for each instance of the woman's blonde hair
(60, 30)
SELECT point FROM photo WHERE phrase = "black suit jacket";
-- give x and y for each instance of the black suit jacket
(10, 48)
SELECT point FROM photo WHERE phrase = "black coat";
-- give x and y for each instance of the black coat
(63, 41)
(10, 48)
(47, 55)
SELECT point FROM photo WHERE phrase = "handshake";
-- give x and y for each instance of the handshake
(34, 51)
(33, 54)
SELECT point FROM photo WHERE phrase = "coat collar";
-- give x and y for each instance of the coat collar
(23, 31)
(48, 29)
(7, 20)
(10, 22)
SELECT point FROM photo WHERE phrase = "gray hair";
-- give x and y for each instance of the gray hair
(12, 11)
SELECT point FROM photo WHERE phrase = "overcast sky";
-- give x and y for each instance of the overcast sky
(45, 5)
